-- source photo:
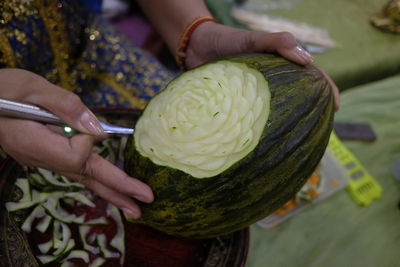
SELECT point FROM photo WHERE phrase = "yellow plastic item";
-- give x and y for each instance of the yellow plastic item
(362, 187)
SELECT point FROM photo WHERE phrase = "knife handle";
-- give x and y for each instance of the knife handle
(29, 112)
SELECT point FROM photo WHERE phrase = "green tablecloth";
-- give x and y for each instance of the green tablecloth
(366, 54)
(336, 231)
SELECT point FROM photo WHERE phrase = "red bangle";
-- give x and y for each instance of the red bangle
(185, 37)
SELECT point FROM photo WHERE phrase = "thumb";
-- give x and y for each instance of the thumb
(283, 43)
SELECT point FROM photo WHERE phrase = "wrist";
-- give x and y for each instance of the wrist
(186, 38)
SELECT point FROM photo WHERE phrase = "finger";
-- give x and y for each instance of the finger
(334, 88)
(45, 148)
(63, 154)
(283, 43)
(61, 102)
(113, 177)
(71, 110)
(336, 94)
(124, 202)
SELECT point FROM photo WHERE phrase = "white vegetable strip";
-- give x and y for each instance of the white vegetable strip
(65, 238)
(102, 242)
(121, 147)
(52, 179)
(39, 197)
(38, 179)
(13, 206)
(57, 234)
(67, 264)
(45, 259)
(70, 246)
(44, 223)
(62, 239)
(78, 196)
(26, 200)
(51, 205)
(111, 156)
(23, 184)
(97, 221)
(118, 241)
(36, 213)
(45, 247)
(83, 231)
(97, 262)
(64, 179)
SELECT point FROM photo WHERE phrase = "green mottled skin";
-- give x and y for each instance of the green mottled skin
(290, 148)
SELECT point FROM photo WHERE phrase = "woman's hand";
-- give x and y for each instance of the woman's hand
(212, 40)
(35, 144)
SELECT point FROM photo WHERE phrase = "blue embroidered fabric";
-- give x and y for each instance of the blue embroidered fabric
(71, 46)
(94, 5)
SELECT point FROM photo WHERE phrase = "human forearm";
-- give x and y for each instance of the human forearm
(211, 40)
(170, 17)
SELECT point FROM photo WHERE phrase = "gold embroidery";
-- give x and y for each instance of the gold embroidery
(15, 8)
(7, 58)
(109, 79)
(58, 41)
(20, 36)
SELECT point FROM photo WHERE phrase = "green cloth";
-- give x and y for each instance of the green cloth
(366, 53)
(337, 231)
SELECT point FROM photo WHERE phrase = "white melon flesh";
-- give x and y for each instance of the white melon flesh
(206, 119)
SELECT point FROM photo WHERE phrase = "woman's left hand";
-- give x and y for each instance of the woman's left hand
(211, 41)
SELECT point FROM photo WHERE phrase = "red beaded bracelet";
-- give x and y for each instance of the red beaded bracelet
(185, 37)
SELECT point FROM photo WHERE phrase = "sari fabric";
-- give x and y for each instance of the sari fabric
(78, 50)
(75, 48)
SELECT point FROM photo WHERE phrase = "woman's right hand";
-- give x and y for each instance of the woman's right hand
(35, 144)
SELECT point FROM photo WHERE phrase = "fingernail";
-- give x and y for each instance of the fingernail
(304, 54)
(129, 214)
(142, 198)
(89, 121)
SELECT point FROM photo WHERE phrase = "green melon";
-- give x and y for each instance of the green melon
(229, 142)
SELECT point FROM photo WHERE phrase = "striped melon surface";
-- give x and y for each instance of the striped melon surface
(229, 142)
